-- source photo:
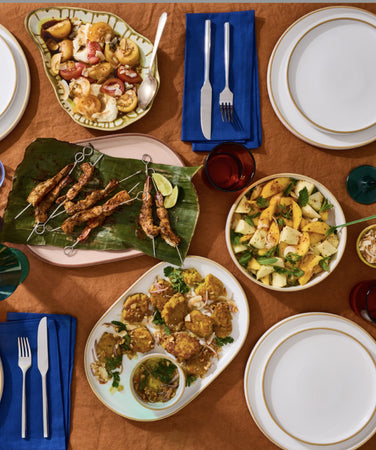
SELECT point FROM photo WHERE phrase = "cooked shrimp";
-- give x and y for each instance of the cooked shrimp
(146, 213)
(165, 227)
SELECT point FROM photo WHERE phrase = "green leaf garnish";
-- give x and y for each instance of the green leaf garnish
(119, 325)
(288, 190)
(245, 258)
(323, 263)
(325, 205)
(176, 278)
(164, 370)
(266, 261)
(303, 197)
(262, 202)
(189, 379)
(224, 341)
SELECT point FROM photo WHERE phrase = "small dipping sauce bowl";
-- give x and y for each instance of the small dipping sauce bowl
(230, 167)
(157, 381)
(366, 246)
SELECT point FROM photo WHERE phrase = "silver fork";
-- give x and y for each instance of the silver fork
(226, 97)
(24, 363)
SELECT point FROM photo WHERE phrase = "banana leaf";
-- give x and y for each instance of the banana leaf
(46, 156)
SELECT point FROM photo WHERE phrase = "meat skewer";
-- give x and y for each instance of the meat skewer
(37, 194)
(108, 208)
(46, 203)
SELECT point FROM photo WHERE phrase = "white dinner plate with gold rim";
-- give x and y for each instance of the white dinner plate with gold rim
(13, 114)
(121, 146)
(123, 403)
(274, 339)
(319, 386)
(278, 91)
(8, 76)
(331, 75)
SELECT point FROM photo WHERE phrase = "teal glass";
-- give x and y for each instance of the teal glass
(361, 184)
(14, 268)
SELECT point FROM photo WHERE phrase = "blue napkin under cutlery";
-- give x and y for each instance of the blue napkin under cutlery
(61, 344)
(246, 128)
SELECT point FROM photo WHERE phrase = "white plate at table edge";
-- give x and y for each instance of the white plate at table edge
(261, 352)
(16, 109)
(286, 423)
(11, 74)
(121, 402)
(291, 69)
(160, 153)
(289, 115)
(1, 379)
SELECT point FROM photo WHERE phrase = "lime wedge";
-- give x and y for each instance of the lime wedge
(171, 199)
(163, 184)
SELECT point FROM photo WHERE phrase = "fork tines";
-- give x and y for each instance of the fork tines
(226, 97)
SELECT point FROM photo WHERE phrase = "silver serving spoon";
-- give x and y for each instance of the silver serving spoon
(149, 85)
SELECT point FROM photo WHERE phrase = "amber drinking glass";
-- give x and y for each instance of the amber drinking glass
(363, 300)
(230, 167)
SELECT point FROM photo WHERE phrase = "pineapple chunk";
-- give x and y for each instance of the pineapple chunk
(290, 235)
(315, 200)
(253, 265)
(243, 206)
(265, 280)
(258, 240)
(244, 227)
(334, 240)
(301, 184)
(264, 271)
(309, 212)
(326, 248)
(279, 279)
(239, 248)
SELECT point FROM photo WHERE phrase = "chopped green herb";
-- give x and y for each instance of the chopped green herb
(119, 325)
(164, 370)
(158, 320)
(176, 278)
(249, 218)
(223, 341)
(323, 263)
(266, 261)
(189, 379)
(285, 211)
(325, 205)
(235, 237)
(262, 202)
(280, 222)
(113, 363)
(245, 258)
(303, 197)
(330, 231)
(115, 379)
(125, 346)
(293, 258)
(293, 272)
(288, 190)
(144, 381)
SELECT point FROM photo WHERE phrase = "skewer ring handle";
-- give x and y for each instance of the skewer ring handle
(40, 228)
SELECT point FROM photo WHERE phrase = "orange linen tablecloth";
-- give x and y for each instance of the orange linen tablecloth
(218, 418)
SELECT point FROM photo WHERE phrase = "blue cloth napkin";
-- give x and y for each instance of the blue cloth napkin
(61, 342)
(244, 83)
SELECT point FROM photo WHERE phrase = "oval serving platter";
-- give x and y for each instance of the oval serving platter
(123, 403)
(33, 23)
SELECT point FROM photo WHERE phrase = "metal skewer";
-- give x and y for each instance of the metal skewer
(87, 150)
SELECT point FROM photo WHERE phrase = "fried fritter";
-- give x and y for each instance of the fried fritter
(174, 311)
(160, 293)
(211, 287)
(199, 363)
(141, 340)
(222, 319)
(191, 277)
(199, 323)
(181, 345)
(107, 347)
(135, 307)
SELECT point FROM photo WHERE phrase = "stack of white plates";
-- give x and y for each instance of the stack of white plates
(311, 381)
(321, 78)
(14, 82)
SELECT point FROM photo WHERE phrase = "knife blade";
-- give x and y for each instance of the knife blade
(206, 90)
(43, 366)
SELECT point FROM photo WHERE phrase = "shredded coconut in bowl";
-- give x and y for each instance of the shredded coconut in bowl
(367, 246)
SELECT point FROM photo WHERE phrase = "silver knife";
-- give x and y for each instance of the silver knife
(43, 367)
(206, 90)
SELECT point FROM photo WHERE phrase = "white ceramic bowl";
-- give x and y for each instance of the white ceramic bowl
(335, 217)
(179, 391)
